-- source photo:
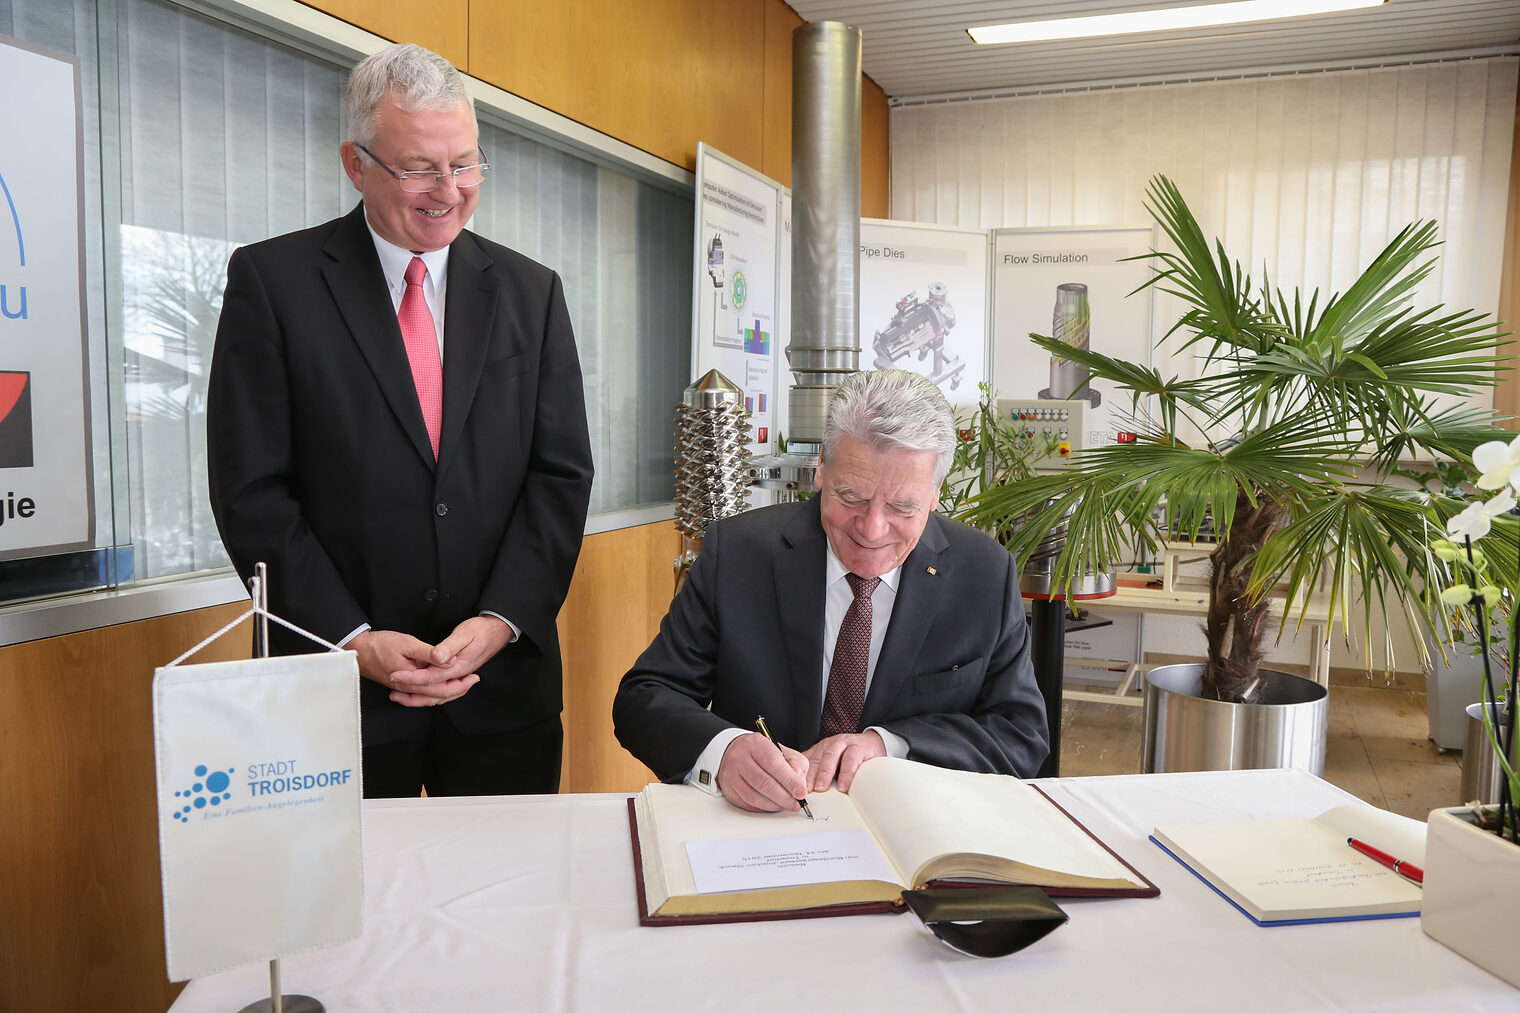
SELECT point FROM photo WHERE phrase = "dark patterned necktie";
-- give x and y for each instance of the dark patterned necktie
(846, 694)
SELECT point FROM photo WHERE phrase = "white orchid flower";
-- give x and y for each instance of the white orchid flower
(1497, 461)
(1470, 523)
(1502, 503)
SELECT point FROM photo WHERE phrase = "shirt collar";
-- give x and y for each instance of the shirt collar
(835, 570)
(394, 259)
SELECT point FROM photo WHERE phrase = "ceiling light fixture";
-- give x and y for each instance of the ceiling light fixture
(1167, 19)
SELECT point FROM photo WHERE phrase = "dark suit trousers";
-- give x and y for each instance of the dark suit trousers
(446, 761)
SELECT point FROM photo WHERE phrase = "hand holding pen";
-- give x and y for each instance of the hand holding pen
(760, 724)
(757, 774)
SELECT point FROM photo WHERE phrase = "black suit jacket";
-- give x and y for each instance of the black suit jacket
(745, 635)
(320, 463)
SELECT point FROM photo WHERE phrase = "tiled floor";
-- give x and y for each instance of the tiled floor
(1379, 747)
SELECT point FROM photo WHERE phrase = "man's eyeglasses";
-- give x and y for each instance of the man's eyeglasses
(424, 180)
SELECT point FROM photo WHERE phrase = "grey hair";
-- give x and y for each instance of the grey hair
(892, 409)
(414, 77)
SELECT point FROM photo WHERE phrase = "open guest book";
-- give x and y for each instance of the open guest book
(904, 825)
(1288, 872)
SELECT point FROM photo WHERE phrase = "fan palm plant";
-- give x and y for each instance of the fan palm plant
(1318, 406)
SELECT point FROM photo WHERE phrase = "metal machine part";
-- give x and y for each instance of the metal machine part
(786, 474)
(825, 324)
(712, 453)
(713, 473)
(921, 327)
(825, 332)
(1036, 579)
(1071, 324)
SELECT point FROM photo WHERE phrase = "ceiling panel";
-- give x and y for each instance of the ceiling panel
(919, 48)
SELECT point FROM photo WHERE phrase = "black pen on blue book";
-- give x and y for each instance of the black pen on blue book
(760, 724)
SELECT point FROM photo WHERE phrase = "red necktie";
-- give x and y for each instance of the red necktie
(421, 340)
(846, 695)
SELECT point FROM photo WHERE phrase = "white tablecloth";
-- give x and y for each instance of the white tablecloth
(528, 904)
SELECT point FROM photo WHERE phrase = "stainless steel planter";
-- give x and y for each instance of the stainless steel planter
(1481, 773)
(1183, 731)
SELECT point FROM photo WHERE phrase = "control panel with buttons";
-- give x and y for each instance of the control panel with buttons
(1064, 422)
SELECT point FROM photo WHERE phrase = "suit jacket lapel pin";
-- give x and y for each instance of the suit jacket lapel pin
(932, 571)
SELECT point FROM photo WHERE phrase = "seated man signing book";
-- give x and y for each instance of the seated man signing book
(859, 624)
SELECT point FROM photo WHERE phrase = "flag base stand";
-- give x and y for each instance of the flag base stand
(288, 1004)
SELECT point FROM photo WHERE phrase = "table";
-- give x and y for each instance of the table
(1134, 595)
(528, 904)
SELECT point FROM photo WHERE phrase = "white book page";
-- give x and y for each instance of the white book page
(684, 814)
(763, 863)
(1399, 836)
(919, 812)
(1290, 868)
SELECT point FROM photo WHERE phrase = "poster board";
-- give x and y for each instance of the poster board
(736, 324)
(923, 303)
(46, 466)
(1038, 273)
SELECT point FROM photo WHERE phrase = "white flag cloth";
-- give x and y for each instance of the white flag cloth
(258, 803)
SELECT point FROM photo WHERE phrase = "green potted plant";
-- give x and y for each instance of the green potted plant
(1472, 853)
(1279, 450)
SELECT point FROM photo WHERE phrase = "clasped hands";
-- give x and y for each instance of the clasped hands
(761, 776)
(419, 674)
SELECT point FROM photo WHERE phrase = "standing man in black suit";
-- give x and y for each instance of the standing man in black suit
(396, 425)
(859, 624)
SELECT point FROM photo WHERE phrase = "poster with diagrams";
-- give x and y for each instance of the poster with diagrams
(923, 303)
(1072, 283)
(735, 325)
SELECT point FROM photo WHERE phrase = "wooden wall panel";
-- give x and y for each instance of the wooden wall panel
(622, 589)
(875, 153)
(659, 74)
(439, 25)
(776, 157)
(79, 888)
(1507, 394)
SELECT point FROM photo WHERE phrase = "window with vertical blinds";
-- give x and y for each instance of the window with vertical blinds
(200, 137)
(1307, 176)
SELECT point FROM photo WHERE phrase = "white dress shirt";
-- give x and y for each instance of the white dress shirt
(836, 602)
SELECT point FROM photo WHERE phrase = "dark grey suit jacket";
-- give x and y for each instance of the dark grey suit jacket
(320, 463)
(745, 635)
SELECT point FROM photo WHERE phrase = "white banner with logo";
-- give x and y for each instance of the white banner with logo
(258, 800)
(46, 480)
